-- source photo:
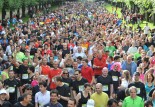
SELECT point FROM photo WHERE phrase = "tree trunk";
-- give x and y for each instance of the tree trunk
(18, 12)
(154, 19)
(11, 13)
(23, 11)
(3, 13)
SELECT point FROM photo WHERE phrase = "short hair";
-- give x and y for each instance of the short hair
(111, 101)
(43, 83)
(116, 57)
(148, 103)
(79, 57)
(133, 87)
(25, 95)
(28, 86)
(85, 60)
(78, 71)
(58, 78)
(87, 85)
(54, 91)
(72, 99)
(31, 68)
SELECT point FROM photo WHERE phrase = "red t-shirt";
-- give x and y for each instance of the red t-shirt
(101, 63)
(45, 69)
(87, 73)
(1, 28)
(53, 73)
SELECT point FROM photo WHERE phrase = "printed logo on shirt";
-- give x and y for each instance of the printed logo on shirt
(105, 88)
(115, 78)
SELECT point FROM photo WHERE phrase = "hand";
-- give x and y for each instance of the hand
(94, 66)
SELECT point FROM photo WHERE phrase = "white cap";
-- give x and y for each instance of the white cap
(90, 103)
(3, 91)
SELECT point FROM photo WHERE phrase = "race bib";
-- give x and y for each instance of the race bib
(84, 105)
(138, 90)
(81, 88)
(115, 78)
(25, 76)
(11, 89)
(105, 88)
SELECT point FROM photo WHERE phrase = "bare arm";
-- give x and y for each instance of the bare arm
(78, 97)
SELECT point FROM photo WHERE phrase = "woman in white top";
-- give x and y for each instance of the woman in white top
(125, 80)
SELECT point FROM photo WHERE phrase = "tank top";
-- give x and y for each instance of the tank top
(83, 100)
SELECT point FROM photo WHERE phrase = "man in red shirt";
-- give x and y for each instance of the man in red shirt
(99, 63)
(87, 72)
(55, 71)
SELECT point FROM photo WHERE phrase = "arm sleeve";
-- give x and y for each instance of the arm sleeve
(144, 92)
(36, 98)
(124, 104)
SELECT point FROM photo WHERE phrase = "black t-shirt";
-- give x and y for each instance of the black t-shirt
(115, 78)
(24, 74)
(53, 105)
(106, 82)
(140, 89)
(18, 104)
(12, 85)
(21, 99)
(78, 86)
(67, 81)
(64, 52)
(63, 91)
(6, 104)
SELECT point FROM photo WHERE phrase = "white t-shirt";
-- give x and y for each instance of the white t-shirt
(124, 83)
(42, 99)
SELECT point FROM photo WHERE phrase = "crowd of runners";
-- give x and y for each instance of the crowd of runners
(78, 55)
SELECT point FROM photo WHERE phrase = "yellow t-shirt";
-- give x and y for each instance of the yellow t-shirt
(101, 100)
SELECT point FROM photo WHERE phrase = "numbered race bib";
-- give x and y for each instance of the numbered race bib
(25, 76)
(11, 89)
(41, 105)
(138, 90)
(81, 88)
(105, 88)
(115, 78)
(84, 105)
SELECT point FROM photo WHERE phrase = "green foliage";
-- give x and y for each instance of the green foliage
(14, 4)
(1, 3)
(144, 5)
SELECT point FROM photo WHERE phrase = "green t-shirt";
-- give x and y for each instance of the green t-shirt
(130, 102)
(20, 56)
(111, 50)
(137, 55)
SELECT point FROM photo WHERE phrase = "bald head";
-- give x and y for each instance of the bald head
(105, 72)
(99, 88)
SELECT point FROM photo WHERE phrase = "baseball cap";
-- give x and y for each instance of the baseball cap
(90, 103)
(3, 91)
(136, 74)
